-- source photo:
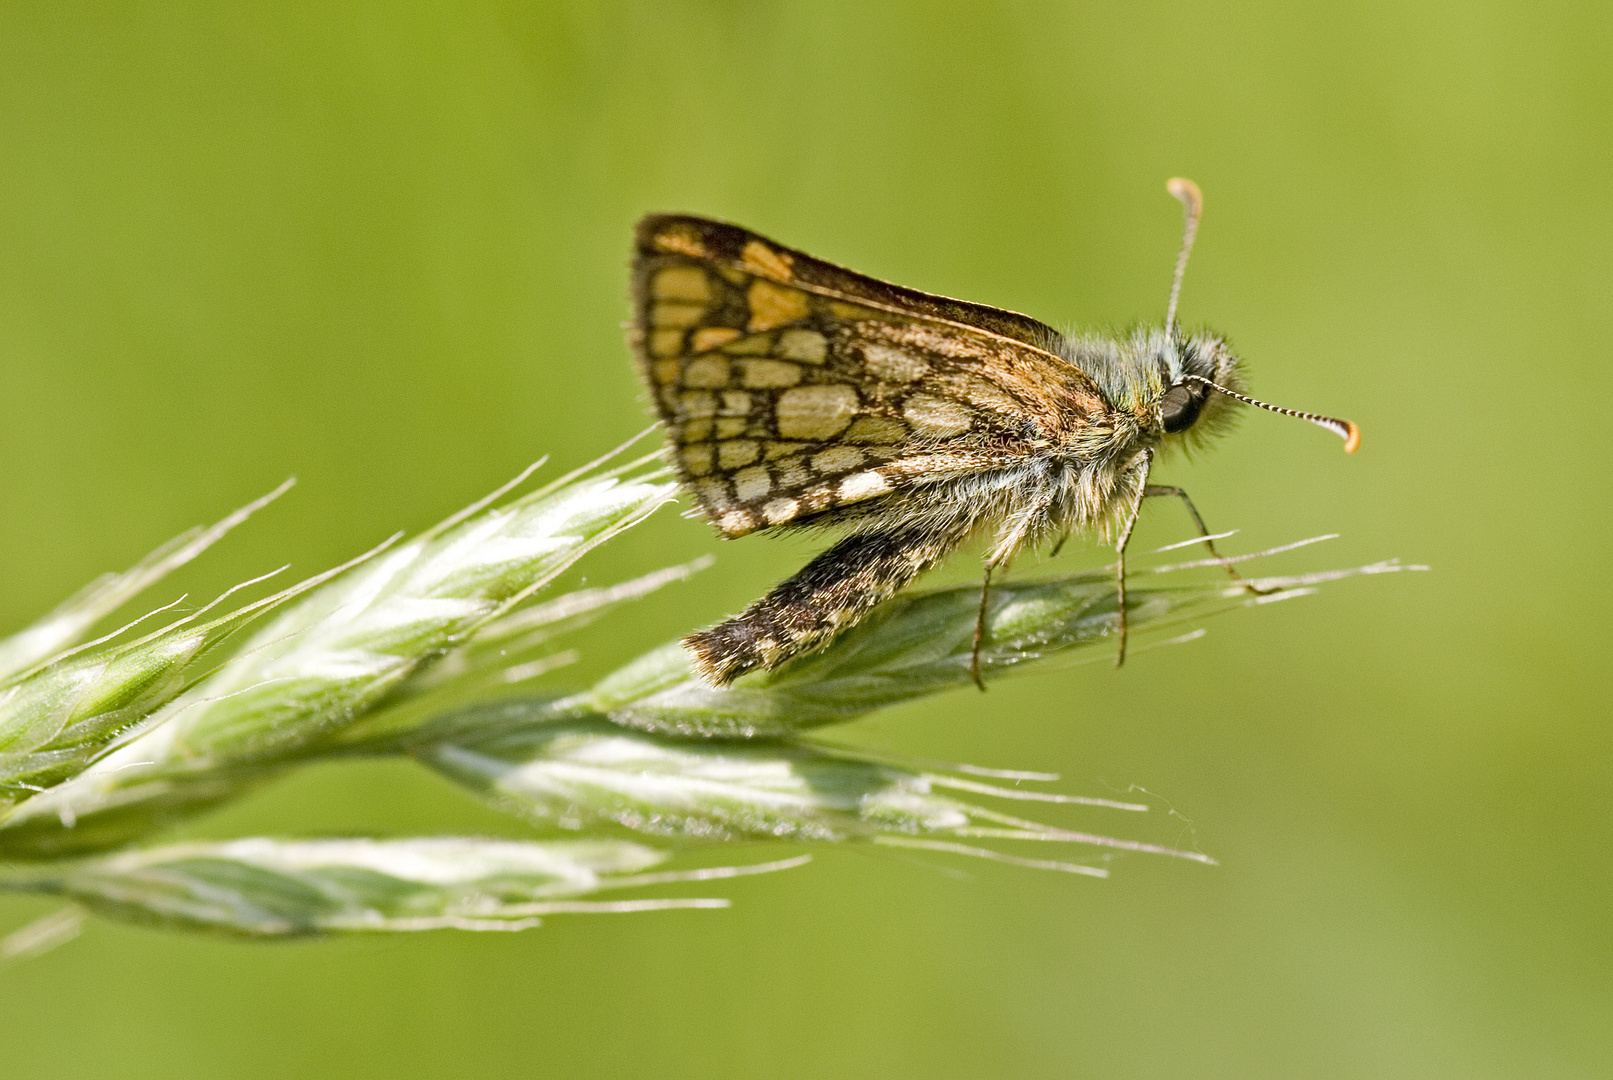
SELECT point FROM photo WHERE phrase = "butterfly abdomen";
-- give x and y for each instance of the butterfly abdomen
(830, 593)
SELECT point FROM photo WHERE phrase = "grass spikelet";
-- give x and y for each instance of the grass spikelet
(414, 650)
(338, 654)
(294, 888)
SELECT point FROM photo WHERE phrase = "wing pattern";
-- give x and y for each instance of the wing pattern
(791, 387)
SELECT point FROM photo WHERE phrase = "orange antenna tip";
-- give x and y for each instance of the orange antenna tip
(1344, 429)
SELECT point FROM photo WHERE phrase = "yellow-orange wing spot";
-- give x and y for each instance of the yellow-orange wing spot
(752, 345)
(682, 283)
(761, 259)
(772, 306)
(665, 342)
(680, 315)
(681, 238)
(710, 337)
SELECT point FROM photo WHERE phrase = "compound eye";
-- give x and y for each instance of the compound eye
(1179, 408)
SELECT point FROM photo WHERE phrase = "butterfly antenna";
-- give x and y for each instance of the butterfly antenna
(1193, 205)
(1344, 429)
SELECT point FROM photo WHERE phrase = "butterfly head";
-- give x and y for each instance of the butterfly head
(1188, 365)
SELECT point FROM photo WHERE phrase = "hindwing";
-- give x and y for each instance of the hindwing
(791, 387)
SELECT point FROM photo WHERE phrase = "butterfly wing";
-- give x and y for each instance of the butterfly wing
(792, 387)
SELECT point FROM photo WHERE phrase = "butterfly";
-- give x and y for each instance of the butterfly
(799, 394)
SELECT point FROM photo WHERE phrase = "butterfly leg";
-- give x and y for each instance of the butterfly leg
(980, 631)
(1157, 490)
(1142, 462)
(1028, 522)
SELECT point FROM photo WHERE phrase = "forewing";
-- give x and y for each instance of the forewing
(791, 387)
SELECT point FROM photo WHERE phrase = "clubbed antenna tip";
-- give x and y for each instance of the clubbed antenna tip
(1344, 429)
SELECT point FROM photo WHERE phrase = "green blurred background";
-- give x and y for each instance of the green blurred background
(382, 247)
